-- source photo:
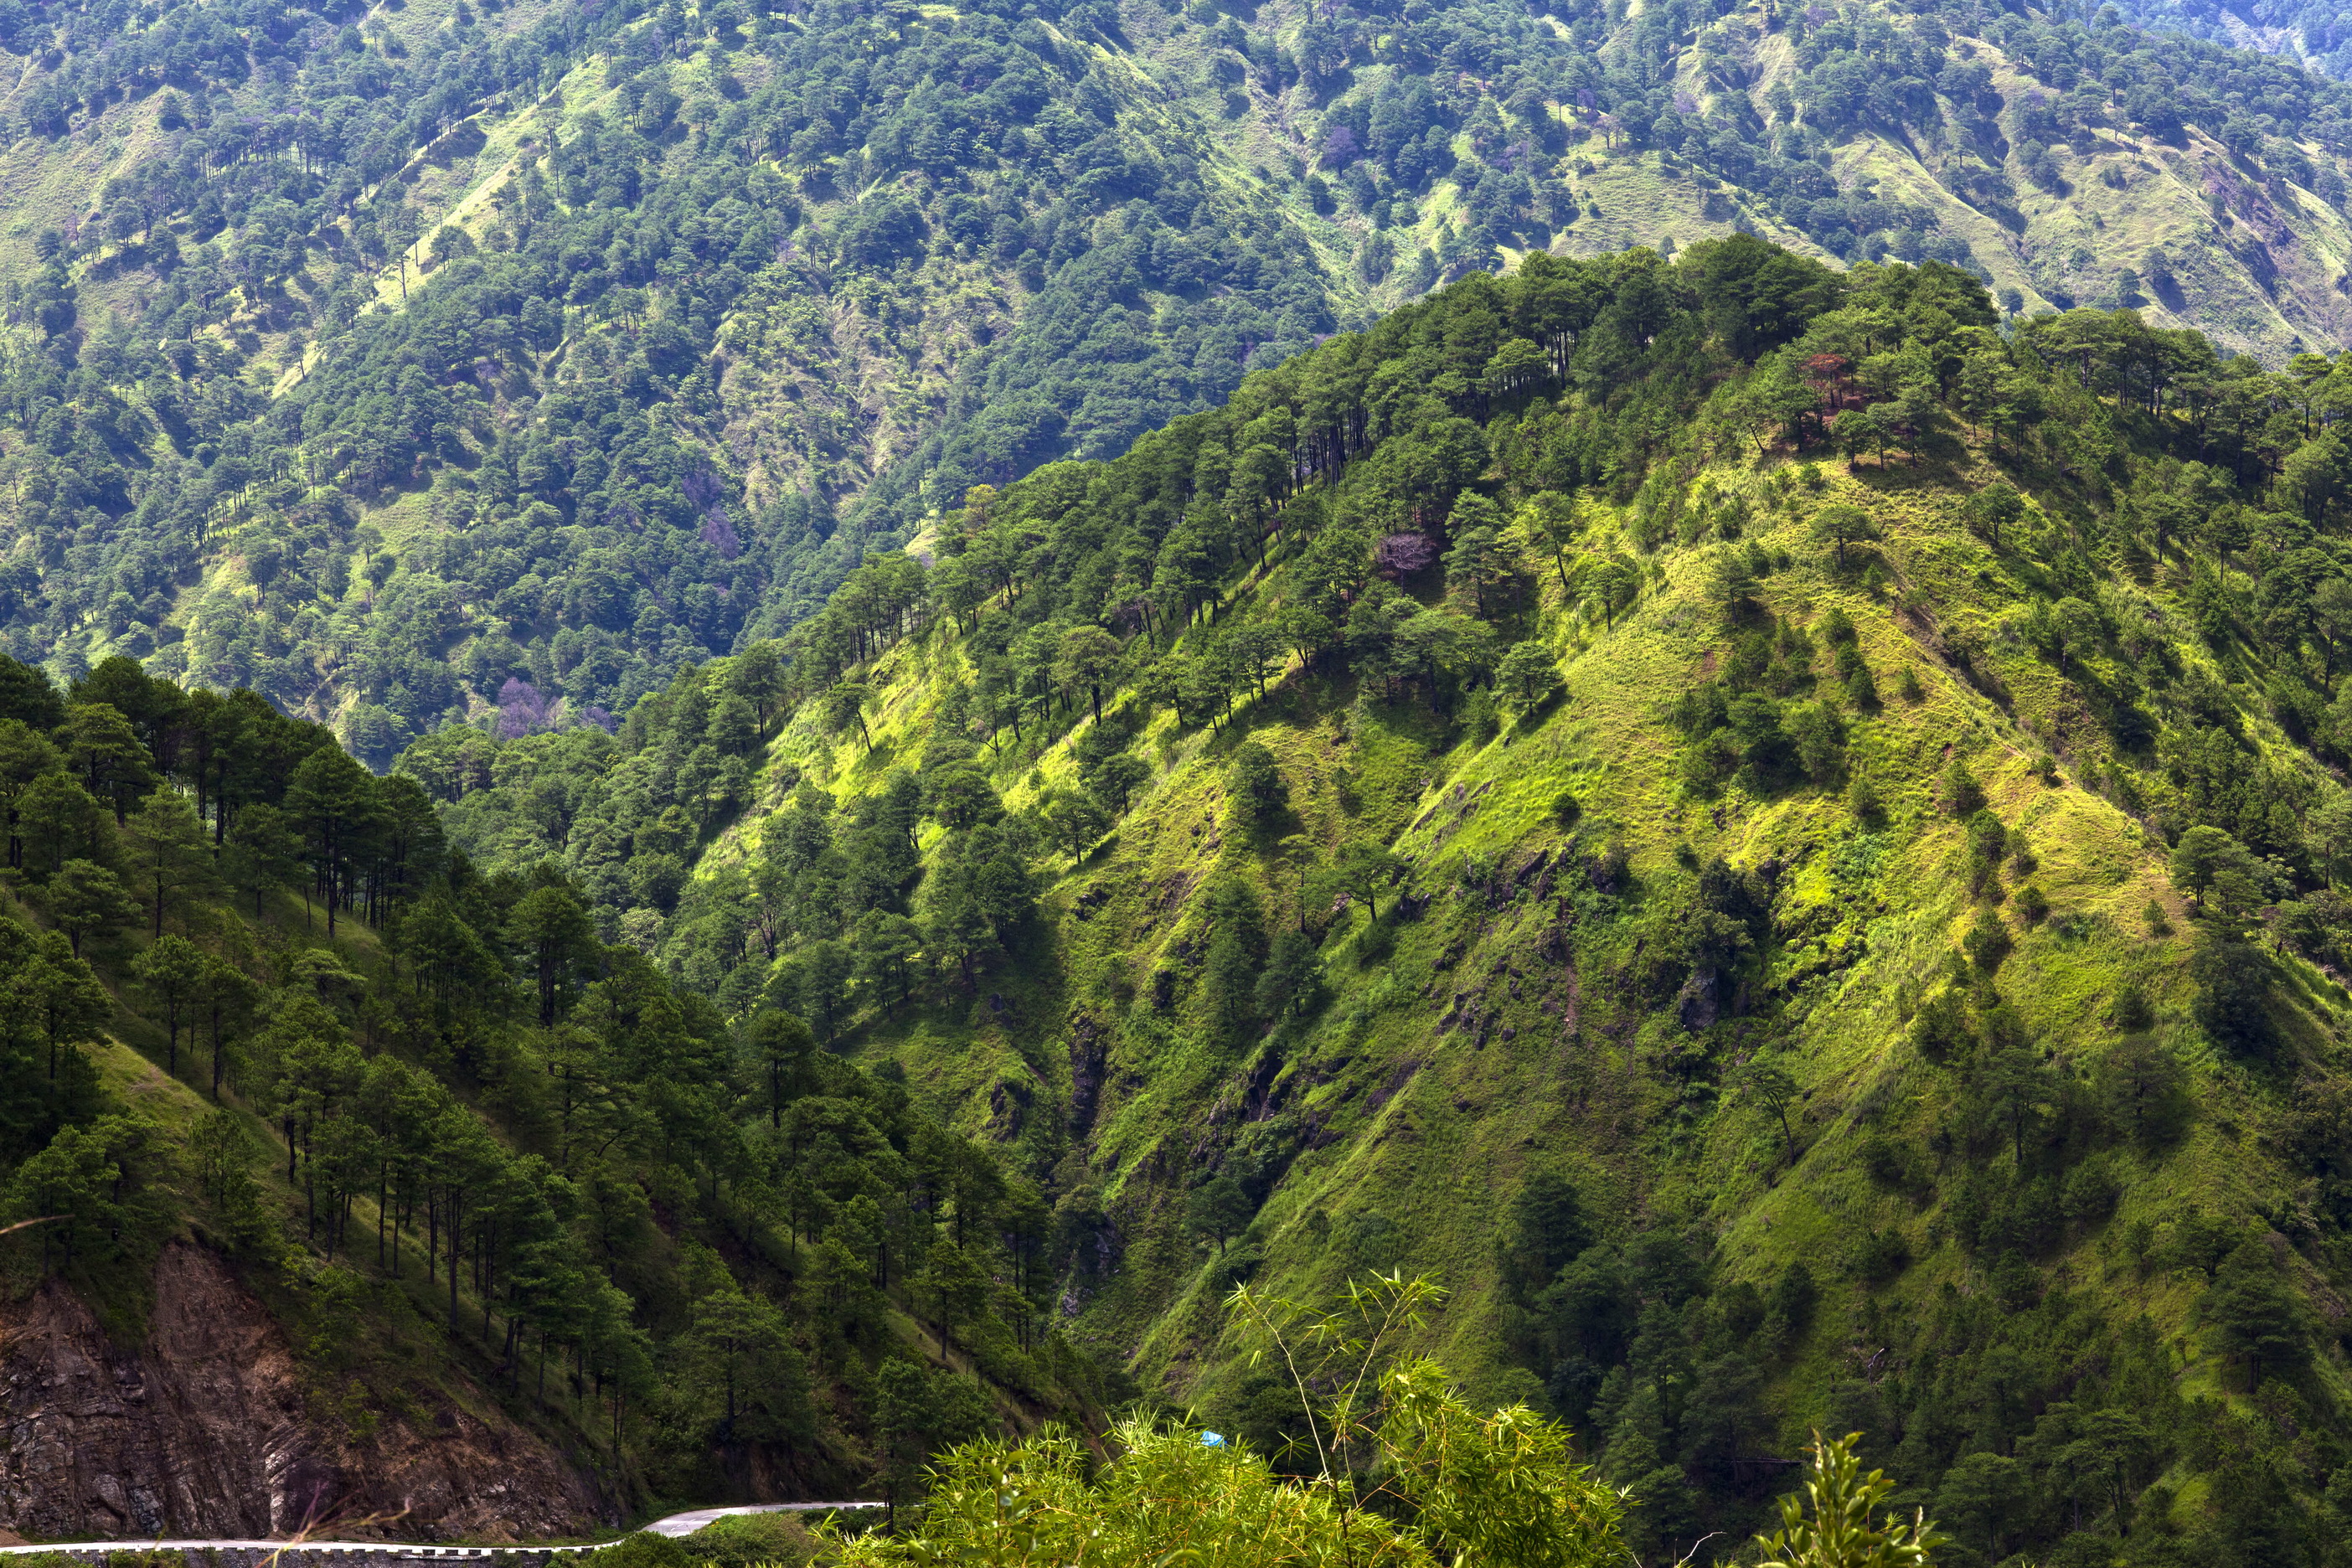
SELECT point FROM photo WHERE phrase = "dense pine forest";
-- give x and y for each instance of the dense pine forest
(1831, 803)
(450, 1135)
(1763, 841)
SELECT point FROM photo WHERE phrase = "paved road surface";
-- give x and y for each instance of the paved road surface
(689, 1523)
(675, 1524)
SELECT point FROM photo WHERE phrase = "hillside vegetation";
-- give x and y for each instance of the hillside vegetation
(467, 1152)
(410, 364)
(1781, 842)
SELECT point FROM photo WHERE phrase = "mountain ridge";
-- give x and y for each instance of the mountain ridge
(1724, 809)
(1780, 837)
(821, 316)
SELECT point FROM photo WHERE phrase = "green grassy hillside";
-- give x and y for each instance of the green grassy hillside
(410, 364)
(1780, 844)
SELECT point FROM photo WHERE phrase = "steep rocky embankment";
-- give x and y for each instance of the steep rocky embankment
(207, 1429)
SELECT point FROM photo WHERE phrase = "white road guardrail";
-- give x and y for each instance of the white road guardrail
(674, 1525)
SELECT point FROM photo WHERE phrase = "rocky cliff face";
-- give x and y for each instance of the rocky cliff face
(203, 1432)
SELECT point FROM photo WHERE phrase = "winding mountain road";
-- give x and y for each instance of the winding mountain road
(685, 1523)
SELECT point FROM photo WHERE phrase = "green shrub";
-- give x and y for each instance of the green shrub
(1988, 941)
(1890, 1163)
(1862, 799)
(1879, 1255)
(746, 1540)
(1963, 795)
(642, 1550)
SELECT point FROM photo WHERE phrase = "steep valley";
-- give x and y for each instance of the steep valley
(1756, 929)
(838, 750)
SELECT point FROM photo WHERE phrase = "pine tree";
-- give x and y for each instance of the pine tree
(164, 850)
(1229, 975)
(85, 899)
(170, 970)
(330, 800)
(1218, 1208)
(2261, 1318)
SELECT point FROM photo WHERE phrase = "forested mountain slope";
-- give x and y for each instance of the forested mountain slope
(1782, 843)
(343, 1182)
(672, 291)
(409, 363)
(2313, 34)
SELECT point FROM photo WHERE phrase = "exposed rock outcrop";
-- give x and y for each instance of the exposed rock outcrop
(203, 1431)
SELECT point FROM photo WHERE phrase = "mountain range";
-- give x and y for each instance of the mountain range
(1775, 841)
(744, 743)
(378, 361)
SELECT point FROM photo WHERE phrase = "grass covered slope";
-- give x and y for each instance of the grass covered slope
(309, 360)
(1790, 939)
(411, 363)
